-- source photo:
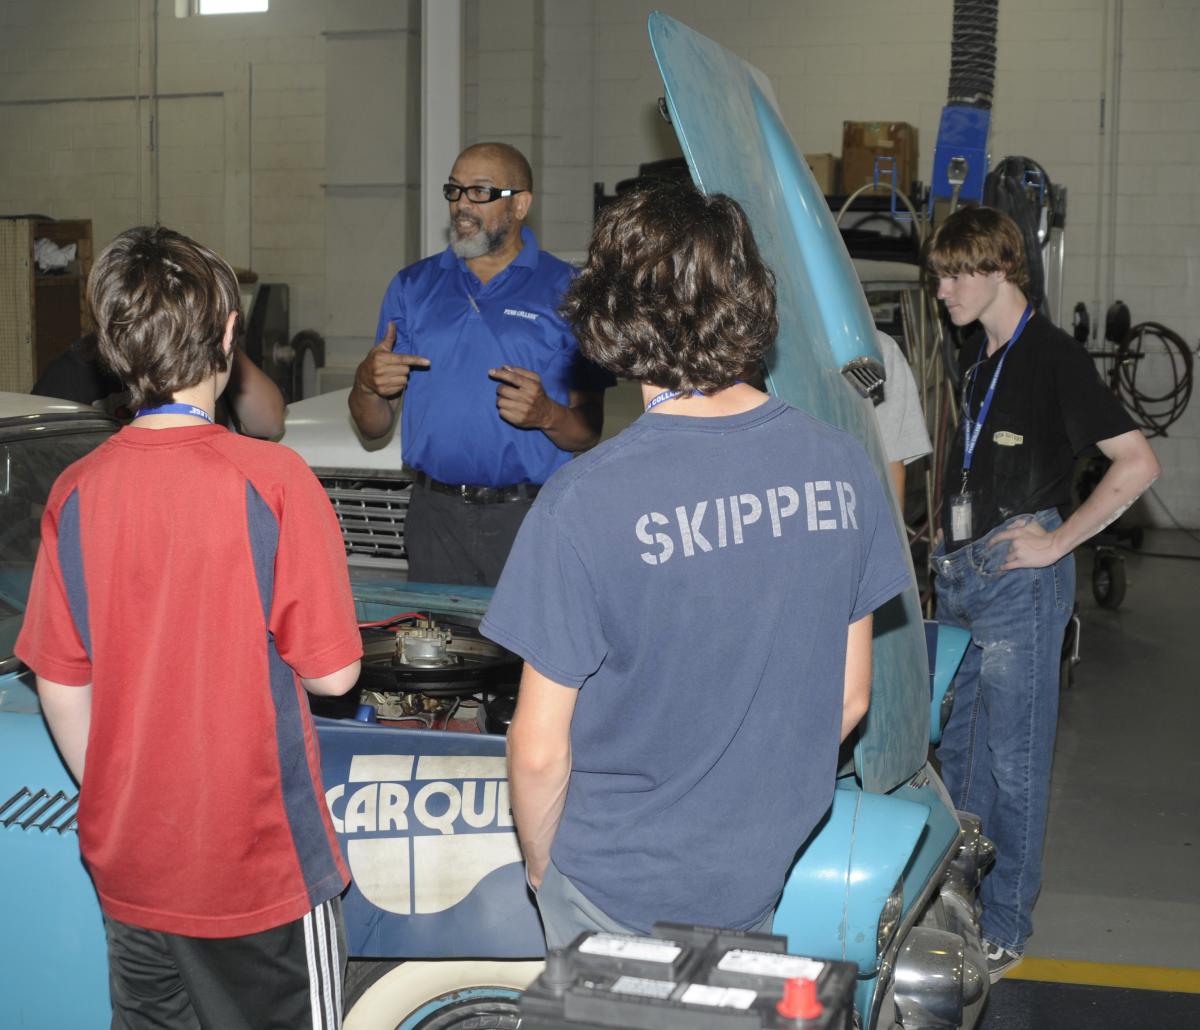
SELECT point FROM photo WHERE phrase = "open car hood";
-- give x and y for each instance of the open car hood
(732, 134)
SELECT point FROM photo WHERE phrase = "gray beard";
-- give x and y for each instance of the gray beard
(480, 244)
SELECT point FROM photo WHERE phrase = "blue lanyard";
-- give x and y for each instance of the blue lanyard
(662, 398)
(175, 409)
(972, 428)
(670, 395)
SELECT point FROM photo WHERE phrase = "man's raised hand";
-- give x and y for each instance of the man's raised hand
(521, 399)
(383, 373)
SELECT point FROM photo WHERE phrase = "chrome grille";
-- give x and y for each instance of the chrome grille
(371, 510)
(866, 375)
(40, 810)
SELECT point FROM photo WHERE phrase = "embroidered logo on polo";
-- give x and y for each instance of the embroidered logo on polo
(732, 520)
(423, 830)
(518, 313)
(1006, 439)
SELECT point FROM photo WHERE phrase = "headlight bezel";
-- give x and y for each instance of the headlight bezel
(890, 917)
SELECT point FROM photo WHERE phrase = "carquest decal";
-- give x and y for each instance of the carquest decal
(422, 830)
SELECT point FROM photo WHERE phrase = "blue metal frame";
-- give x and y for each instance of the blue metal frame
(963, 133)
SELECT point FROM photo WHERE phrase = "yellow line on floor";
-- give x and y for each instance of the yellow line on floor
(1103, 974)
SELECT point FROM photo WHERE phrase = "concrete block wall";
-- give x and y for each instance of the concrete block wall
(372, 169)
(1157, 238)
(836, 60)
(505, 81)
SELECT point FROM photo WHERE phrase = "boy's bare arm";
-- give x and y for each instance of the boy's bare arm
(68, 713)
(335, 683)
(856, 694)
(539, 765)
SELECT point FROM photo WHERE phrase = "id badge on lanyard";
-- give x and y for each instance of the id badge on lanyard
(962, 518)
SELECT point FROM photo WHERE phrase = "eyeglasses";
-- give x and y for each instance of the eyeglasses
(476, 194)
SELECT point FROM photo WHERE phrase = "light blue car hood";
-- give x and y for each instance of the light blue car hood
(729, 126)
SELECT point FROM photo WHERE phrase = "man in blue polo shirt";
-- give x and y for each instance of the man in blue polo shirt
(496, 396)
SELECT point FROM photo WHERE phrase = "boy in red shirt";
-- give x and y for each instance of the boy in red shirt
(191, 585)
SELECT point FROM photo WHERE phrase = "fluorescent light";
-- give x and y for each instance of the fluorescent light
(231, 6)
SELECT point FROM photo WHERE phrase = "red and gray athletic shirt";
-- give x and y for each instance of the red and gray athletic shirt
(192, 576)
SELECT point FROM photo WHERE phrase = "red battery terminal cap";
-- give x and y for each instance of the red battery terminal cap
(799, 999)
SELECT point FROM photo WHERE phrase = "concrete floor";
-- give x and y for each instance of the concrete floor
(1122, 859)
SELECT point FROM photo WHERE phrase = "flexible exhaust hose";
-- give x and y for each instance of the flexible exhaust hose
(973, 53)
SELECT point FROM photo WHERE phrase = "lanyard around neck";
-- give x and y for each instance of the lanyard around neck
(175, 409)
(973, 427)
(666, 395)
(670, 395)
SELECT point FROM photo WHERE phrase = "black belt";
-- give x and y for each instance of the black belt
(470, 494)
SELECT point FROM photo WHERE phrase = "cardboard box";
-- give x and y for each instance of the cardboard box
(863, 142)
(825, 170)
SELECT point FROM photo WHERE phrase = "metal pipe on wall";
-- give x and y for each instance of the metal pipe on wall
(154, 126)
(1107, 163)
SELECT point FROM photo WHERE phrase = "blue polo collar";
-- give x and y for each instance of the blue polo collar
(527, 258)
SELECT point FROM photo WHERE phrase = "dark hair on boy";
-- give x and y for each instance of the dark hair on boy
(978, 239)
(674, 292)
(161, 302)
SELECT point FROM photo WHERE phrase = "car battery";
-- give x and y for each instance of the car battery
(690, 978)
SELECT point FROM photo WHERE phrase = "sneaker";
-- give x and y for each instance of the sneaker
(1000, 960)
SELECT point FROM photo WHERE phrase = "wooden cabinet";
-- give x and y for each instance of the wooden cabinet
(40, 313)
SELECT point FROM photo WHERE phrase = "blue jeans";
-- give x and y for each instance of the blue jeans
(998, 746)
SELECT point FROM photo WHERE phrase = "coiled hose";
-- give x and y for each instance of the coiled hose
(1153, 412)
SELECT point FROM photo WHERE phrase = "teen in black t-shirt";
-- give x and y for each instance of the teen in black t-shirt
(1005, 571)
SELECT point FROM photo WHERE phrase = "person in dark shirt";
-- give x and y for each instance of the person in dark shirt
(78, 375)
(251, 404)
(1032, 401)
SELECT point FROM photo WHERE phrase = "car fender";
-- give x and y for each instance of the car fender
(63, 980)
(837, 889)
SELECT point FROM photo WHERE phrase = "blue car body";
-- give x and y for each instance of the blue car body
(422, 816)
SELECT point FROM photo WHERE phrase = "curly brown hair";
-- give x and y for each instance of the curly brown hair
(674, 292)
(978, 239)
(161, 302)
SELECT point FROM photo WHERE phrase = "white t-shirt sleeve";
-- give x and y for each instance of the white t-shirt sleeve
(900, 418)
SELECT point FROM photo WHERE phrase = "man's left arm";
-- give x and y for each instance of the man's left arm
(539, 765)
(1134, 467)
(524, 403)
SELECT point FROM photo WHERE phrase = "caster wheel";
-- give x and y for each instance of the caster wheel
(1108, 580)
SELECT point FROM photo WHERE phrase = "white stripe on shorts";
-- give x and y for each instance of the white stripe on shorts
(324, 968)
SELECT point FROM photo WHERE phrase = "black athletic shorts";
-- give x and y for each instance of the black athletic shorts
(289, 977)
